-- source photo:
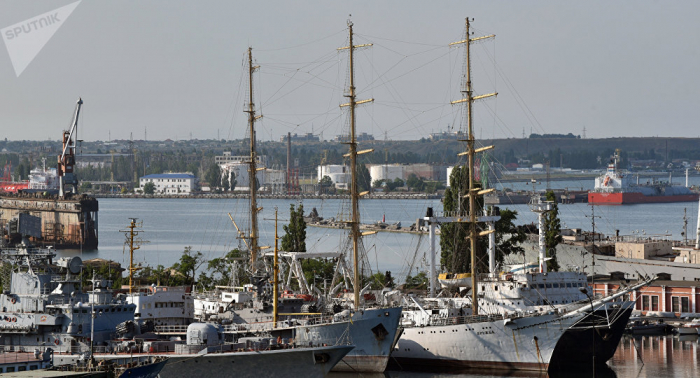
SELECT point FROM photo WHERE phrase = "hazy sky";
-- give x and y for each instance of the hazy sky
(177, 68)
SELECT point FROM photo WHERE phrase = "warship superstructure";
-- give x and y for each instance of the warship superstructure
(43, 303)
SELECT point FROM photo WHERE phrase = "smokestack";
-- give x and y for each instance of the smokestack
(289, 161)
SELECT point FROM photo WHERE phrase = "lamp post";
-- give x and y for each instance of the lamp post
(590, 300)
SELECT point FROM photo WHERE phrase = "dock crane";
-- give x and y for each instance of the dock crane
(66, 161)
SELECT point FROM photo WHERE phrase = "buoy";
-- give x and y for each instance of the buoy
(14, 319)
(13, 300)
(56, 341)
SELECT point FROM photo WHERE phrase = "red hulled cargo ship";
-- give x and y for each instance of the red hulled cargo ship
(615, 187)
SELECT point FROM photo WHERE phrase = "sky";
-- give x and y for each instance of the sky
(177, 70)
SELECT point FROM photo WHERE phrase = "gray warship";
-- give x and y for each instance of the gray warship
(43, 305)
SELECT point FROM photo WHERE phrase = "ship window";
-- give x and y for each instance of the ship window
(10, 369)
(568, 284)
(33, 367)
(495, 287)
(645, 303)
(22, 368)
(540, 286)
(655, 303)
(549, 286)
(685, 304)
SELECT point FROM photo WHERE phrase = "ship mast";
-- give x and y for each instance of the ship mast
(134, 243)
(252, 170)
(468, 99)
(354, 193)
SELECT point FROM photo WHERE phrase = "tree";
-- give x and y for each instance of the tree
(454, 245)
(85, 187)
(218, 272)
(364, 180)
(213, 176)
(508, 237)
(325, 183)
(232, 181)
(225, 184)
(552, 236)
(149, 188)
(294, 239)
(415, 182)
(377, 184)
(419, 281)
(189, 264)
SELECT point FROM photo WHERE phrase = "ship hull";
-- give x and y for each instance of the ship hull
(288, 363)
(596, 335)
(620, 198)
(514, 344)
(371, 331)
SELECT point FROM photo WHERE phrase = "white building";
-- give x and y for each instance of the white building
(238, 165)
(170, 183)
(339, 174)
(387, 172)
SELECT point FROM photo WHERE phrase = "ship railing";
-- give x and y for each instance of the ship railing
(282, 323)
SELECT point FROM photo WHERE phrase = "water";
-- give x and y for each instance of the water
(639, 356)
(173, 224)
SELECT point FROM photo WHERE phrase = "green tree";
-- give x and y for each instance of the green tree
(454, 245)
(294, 239)
(149, 188)
(218, 272)
(415, 182)
(364, 180)
(213, 177)
(325, 183)
(419, 281)
(85, 186)
(552, 236)
(225, 184)
(188, 265)
(232, 181)
(509, 238)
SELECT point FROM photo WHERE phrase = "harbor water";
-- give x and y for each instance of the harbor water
(170, 225)
(636, 357)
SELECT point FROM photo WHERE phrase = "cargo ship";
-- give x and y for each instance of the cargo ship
(8, 184)
(616, 187)
(65, 219)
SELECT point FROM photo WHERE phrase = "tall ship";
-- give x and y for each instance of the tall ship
(373, 330)
(506, 311)
(67, 219)
(616, 187)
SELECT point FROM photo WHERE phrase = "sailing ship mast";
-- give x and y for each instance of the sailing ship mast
(252, 170)
(468, 99)
(354, 193)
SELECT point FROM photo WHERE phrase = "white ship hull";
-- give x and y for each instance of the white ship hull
(512, 344)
